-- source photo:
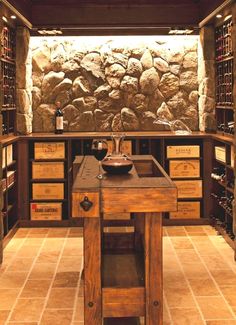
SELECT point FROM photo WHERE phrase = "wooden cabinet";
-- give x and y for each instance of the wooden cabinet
(9, 186)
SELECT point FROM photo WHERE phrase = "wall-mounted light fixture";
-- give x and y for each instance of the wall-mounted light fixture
(50, 32)
(181, 30)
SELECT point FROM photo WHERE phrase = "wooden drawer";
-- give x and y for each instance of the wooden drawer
(192, 151)
(48, 191)
(184, 168)
(220, 154)
(49, 150)
(187, 210)
(189, 189)
(48, 170)
(46, 211)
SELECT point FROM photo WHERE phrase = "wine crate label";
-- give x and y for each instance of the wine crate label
(186, 210)
(9, 150)
(46, 211)
(232, 156)
(184, 168)
(126, 147)
(189, 189)
(4, 157)
(48, 191)
(220, 154)
(52, 170)
(183, 151)
(49, 150)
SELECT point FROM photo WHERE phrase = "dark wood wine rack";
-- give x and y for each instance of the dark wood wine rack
(8, 72)
(224, 78)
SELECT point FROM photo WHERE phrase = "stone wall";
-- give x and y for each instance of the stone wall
(114, 84)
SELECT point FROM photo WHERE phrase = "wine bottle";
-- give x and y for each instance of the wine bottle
(58, 119)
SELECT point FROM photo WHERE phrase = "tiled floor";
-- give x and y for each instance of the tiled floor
(40, 278)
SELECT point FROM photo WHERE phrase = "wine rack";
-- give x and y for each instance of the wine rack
(224, 78)
(8, 73)
(223, 189)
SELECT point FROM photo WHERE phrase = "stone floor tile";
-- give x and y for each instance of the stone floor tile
(229, 293)
(61, 298)
(56, 317)
(66, 279)
(8, 298)
(186, 316)
(188, 256)
(179, 298)
(27, 251)
(214, 308)
(21, 264)
(36, 289)
(70, 264)
(3, 316)
(194, 270)
(27, 310)
(224, 277)
(203, 286)
(221, 322)
(12, 280)
(48, 257)
(181, 243)
(79, 311)
(42, 271)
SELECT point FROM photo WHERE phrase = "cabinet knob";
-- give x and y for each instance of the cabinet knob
(86, 204)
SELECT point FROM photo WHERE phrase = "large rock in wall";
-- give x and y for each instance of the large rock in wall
(114, 86)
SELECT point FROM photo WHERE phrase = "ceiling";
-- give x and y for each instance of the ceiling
(95, 15)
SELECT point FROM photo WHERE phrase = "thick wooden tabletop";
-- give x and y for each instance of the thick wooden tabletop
(146, 188)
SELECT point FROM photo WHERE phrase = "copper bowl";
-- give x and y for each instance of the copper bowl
(117, 166)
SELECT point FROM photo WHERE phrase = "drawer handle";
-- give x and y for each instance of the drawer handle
(86, 204)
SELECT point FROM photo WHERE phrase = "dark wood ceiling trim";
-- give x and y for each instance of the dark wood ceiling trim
(212, 15)
(20, 15)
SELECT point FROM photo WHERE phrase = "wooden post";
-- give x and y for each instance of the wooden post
(153, 269)
(92, 272)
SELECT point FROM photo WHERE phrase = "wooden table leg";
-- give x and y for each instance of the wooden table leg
(92, 272)
(153, 269)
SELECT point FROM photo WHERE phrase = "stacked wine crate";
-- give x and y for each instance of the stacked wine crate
(185, 170)
(48, 181)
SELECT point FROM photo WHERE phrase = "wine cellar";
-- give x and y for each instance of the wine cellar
(118, 162)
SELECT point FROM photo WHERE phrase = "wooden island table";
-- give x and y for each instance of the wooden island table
(123, 271)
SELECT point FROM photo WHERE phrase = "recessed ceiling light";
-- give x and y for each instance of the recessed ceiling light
(4, 18)
(13, 17)
(219, 16)
(227, 17)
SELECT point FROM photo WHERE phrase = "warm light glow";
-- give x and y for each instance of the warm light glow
(219, 16)
(227, 17)
(13, 17)
(50, 32)
(180, 31)
(4, 18)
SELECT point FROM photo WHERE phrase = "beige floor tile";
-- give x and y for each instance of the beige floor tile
(22, 232)
(3, 316)
(79, 311)
(34, 241)
(56, 317)
(27, 310)
(22, 323)
(48, 257)
(229, 293)
(55, 298)
(35, 289)
(27, 251)
(8, 298)
(215, 261)
(57, 232)
(70, 264)
(224, 277)
(42, 271)
(203, 286)
(196, 270)
(188, 256)
(12, 280)
(181, 243)
(194, 229)
(214, 308)
(179, 298)
(66, 279)
(75, 232)
(176, 231)
(20, 264)
(186, 316)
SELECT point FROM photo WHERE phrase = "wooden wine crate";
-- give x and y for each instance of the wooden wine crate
(189, 189)
(52, 170)
(184, 168)
(9, 151)
(126, 147)
(11, 177)
(46, 211)
(49, 150)
(47, 191)
(187, 210)
(191, 151)
(220, 154)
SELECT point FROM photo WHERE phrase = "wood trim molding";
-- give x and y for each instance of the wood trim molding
(24, 20)
(207, 19)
